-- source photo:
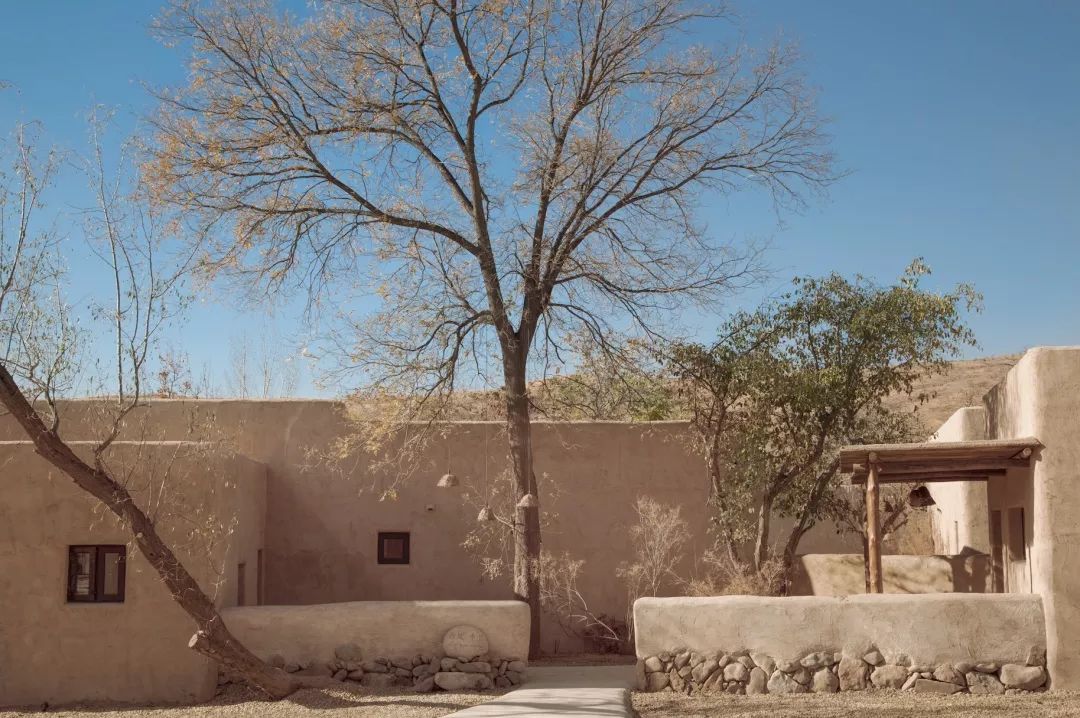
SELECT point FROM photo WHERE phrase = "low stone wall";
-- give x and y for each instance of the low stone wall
(934, 643)
(843, 574)
(453, 645)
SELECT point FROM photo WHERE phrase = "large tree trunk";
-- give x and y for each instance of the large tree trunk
(212, 638)
(526, 517)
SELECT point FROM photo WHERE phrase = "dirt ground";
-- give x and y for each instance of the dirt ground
(336, 702)
(868, 704)
(585, 659)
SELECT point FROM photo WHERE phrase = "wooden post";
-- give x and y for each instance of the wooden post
(873, 526)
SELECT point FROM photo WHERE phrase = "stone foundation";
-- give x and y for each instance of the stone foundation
(747, 672)
(424, 673)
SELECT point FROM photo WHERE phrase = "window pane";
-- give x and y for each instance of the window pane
(394, 549)
(82, 572)
(112, 573)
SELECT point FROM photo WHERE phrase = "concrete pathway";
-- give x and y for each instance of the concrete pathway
(564, 691)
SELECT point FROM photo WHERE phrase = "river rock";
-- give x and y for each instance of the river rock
(764, 662)
(458, 681)
(948, 674)
(736, 672)
(781, 683)
(656, 682)
(475, 667)
(703, 671)
(942, 688)
(853, 673)
(758, 682)
(984, 683)
(1013, 675)
(824, 681)
(889, 677)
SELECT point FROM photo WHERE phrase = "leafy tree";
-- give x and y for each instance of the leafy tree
(784, 386)
(501, 174)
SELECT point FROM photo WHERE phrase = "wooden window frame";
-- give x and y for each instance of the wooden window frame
(392, 535)
(97, 573)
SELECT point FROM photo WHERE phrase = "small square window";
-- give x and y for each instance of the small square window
(393, 547)
(96, 574)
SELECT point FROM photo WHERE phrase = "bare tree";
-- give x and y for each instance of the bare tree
(261, 367)
(39, 363)
(499, 172)
(238, 380)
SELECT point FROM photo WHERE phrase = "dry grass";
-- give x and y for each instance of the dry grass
(337, 701)
(868, 704)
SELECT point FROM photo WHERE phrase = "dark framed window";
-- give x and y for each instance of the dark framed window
(96, 574)
(394, 547)
(241, 584)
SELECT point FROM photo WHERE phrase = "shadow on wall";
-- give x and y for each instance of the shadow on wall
(844, 574)
(970, 571)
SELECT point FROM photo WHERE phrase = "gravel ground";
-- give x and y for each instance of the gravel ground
(330, 702)
(868, 704)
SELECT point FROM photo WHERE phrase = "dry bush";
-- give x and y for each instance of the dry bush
(658, 538)
(724, 577)
(561, 597)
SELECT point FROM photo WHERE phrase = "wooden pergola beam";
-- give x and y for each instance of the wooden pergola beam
(926, 467)
(928, 478)
(947, 452)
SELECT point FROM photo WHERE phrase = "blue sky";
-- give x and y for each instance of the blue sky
(956, 121)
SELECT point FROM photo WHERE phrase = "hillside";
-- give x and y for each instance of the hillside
(963, 385)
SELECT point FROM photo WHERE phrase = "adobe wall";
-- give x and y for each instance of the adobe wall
(323, 524)
(958, 518)
(135, 651)
(304, 635)
(1040, 397)
(939, 643)
(843, 574)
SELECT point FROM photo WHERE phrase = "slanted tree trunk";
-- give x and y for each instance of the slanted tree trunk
(212, 638)
(526, 518)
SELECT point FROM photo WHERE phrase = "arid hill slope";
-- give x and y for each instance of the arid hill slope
(963, 385)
